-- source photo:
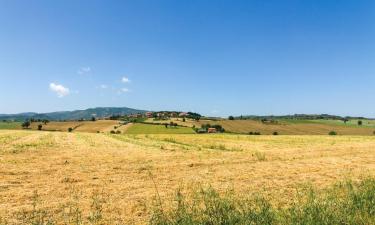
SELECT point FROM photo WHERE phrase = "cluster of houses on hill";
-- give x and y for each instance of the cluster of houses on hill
(165, 115)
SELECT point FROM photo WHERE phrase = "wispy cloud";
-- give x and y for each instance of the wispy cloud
(124, 90)
(60, 90)
(103, 86)
(84, 70)
(125, 80)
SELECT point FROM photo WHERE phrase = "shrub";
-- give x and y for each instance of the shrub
(230, 118)
(26, 124)
(118, 132)
(112, 132)
(275, 133)
(40, 127)
(332, 133)
(359, 122)
(70, 129)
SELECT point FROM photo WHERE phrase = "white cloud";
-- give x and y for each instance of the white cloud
(122, 90)
(125, 80)
(60, 90)
(84, 70)
(103, 86)
(125, 90)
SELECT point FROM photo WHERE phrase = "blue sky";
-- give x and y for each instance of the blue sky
(214, 57)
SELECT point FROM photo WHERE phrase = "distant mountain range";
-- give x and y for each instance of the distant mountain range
(99, 112)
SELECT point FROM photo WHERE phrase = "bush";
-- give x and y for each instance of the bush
(118, 132)
(332, 133)
(26, 124)
(359, 122)
(70, 129)
(275, 133)
(40, 127)
(112, 132)
(230, 118)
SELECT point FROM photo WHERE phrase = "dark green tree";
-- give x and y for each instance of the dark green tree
(26, 124)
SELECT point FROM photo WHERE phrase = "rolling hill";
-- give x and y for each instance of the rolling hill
(99, 112)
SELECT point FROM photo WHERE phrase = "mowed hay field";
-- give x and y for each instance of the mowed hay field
(80, 126)
(115, 178)
(303, 128)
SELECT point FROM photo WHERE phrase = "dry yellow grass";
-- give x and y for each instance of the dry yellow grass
(245, 126)
(66, 167)
(81, 126)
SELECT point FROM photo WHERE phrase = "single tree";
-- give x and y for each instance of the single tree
(25, 124)
(70, 129)
(359, 122)
(230, 118)
(93, 119)
(40, 127)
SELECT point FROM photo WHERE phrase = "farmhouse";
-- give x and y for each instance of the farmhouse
(183, 114)
(148, 114)
(211, 130)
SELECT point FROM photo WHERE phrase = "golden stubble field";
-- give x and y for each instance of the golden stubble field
(125, 172)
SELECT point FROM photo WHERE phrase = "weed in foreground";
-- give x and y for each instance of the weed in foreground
(346, 203)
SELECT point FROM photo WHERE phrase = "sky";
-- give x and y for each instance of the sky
(217, 58)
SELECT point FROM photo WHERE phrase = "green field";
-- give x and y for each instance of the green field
(350, 123)
(353, 123)
(157, 129)
(10, 125)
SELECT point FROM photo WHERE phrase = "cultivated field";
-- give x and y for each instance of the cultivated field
(282, 127)
(157, 129)
(303, 127)
(108, 179)
(10, 125)
(81, 126)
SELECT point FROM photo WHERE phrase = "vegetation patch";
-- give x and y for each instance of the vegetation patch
(346, 203)
(139, 128)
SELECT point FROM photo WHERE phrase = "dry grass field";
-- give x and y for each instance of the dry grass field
(303, 128)
(81, 126)
(115, 178)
